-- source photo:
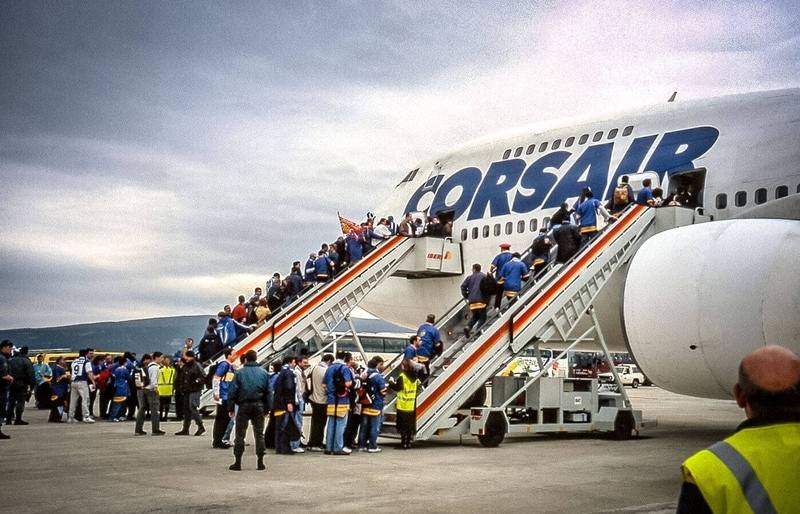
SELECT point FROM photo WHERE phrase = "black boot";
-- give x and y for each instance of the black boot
(237, 465)
(261, 466)
(4, 436)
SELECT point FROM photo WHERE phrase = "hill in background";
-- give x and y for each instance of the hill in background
(141, 335)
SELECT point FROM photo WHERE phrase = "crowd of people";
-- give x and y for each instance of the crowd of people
(569, 230)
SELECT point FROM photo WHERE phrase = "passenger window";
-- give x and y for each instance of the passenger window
(509, 228)
(722, 201)
(598, 136)
(761, 196)
(507, 154)
(474, 232)
(497, 229)
(464, 234)
(486, 231)
(556, 144)
(570, 140)
(612, 133)
(583, 139)
(543, 147)
(534, 225)
(740, 199)
(521, 226)
(798, 188)
(530, 149)
(781, 191)
(518, 152)
(627, 130)
(546, 221)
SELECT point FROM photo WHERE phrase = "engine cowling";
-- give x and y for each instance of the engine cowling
(699, 298)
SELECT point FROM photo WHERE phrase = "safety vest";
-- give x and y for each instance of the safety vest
(407, 397)
(166, 381)
(755, 470)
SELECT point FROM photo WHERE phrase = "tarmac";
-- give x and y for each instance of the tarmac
(102, 467)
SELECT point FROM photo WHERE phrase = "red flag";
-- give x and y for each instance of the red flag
(348, 225)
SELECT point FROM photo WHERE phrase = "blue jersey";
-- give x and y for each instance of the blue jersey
(499, 261)
(377, 388)
(311, 271)
(225, 373)
(587, 211)
(347, 374)
(428, 335)
(512, 275)
(355, 248)
(321, 266)
(121, 377)
(59, 387)
(644, 195)
(410, 353)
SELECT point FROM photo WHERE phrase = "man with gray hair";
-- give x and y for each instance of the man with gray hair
(757, 469)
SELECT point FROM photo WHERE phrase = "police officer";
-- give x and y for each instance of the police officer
(21, 369)
(757, 469)
(250, 391)
(5, 380)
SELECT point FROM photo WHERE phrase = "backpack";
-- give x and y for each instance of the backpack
(364, 395)
(488, 285)
(141, 378)
(621, 195)
(338, 382)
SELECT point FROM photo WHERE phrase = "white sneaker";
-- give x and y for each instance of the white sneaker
(375, 450)
(88, 420)
(362, 449)
(316, 449)
(298, 450)
(71, 420)
(347, 450)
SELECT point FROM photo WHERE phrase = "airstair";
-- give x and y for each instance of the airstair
(547, 308)
(318, 311)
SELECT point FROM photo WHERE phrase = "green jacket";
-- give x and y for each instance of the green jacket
(250, 383)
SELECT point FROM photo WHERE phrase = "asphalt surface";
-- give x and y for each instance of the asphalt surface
(102, 467)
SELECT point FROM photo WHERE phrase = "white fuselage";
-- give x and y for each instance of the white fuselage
(503, 189)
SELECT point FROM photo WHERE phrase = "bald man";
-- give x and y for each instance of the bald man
(757, 469)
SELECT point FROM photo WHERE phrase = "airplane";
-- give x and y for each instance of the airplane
(696, 299)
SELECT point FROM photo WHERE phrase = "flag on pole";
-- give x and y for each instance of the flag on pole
(348, 225)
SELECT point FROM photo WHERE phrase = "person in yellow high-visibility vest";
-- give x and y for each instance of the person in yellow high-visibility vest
(166, 386)
(406, 406)
(757, 469)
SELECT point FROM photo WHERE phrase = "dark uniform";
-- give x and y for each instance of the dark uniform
(285, 427)
(21, 369)
(3, 392)
(568, 239)
(250, 391)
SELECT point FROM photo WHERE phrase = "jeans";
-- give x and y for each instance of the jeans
(335, 435)
(298, 419)
(191, 406)
(478, 319)
(370, 428)
(226, 437)
(79, 389)
(148, 398)
(117, 409)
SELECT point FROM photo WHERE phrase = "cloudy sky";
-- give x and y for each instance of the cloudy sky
(159, 158)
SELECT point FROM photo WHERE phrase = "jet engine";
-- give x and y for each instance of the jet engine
(699, 298)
